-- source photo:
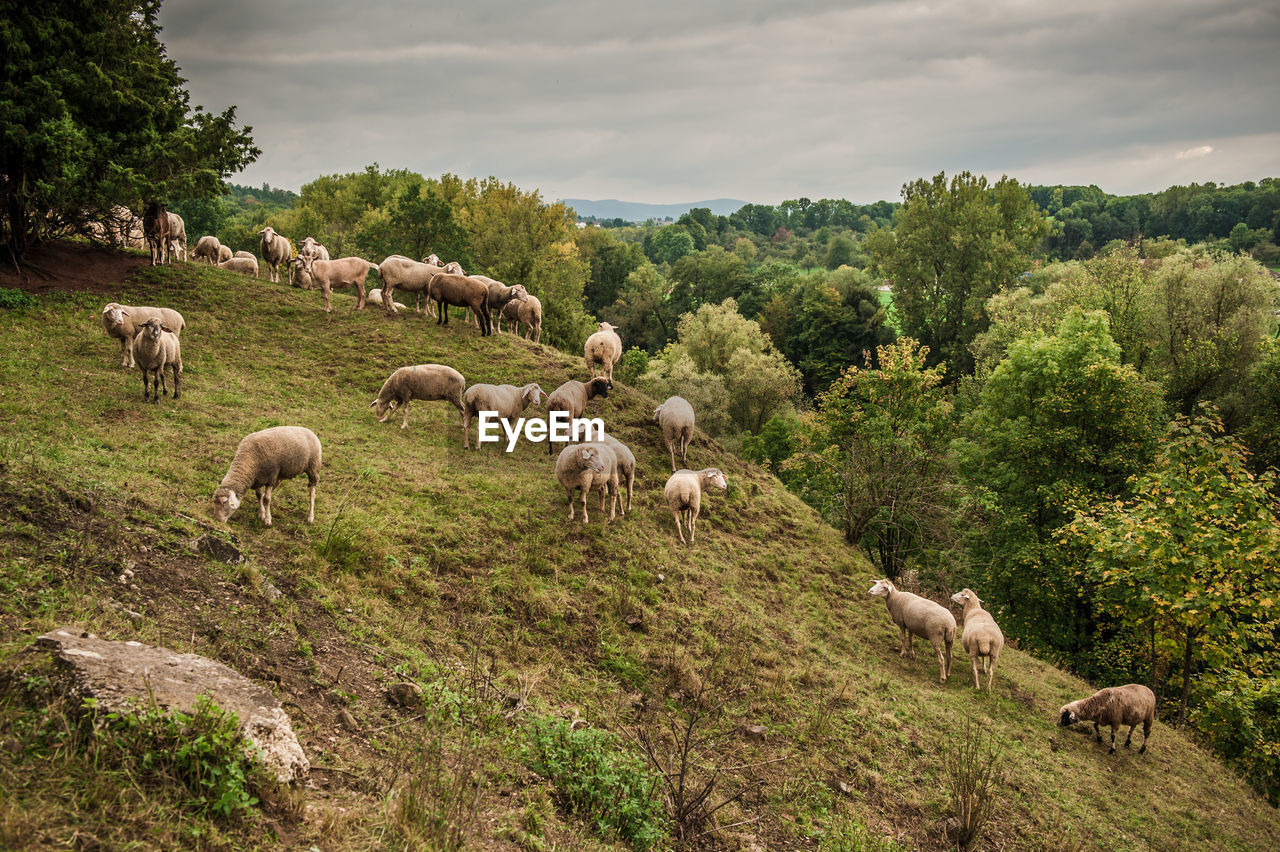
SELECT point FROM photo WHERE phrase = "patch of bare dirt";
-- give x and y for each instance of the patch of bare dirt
(58, 266)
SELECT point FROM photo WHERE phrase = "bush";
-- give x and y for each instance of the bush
(632, 365)
(11, 299)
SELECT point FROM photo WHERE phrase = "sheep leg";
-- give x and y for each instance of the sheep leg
(1097, 732)
(326, 290)
(943, 668)
(1146, 732)
(1128, 741)
(904, 640)
(360, 294)
(991, 675)
(177, 373)
(693, 519)
(264, 505)
(585, 490)
(405, 407)
(1112, 750)
(671, 447)
(676, 514)
(571, 504)
(977, 684)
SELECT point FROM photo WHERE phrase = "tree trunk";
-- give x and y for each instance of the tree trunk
(1186, 676)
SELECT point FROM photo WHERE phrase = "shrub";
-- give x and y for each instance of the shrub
(972, 775)
(12, 299)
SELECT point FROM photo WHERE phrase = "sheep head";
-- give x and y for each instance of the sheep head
(431, 259)
(604, 326)
(882, 589)
(532, 393)
(225, 502)
(590, 458)
(714, 477)
(115, 313)
(382, 408)
(1068, 716)
(964, 596)
(452, 266)
(599, 386)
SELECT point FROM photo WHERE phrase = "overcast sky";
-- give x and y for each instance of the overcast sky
(762, 100)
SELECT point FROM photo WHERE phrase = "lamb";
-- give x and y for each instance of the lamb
(507, 400)
(461, 291)
(684, 494)
(155, 348)
(124, 321)
(528, 311)
(1114, 706)
(409, 275)
(344, 272)
(676, 419)
(589, 466)
(311, 248)
(604, 348)
(982, 637)
(572, 397)
(375, 295)
(178, 235)
(424, 381)
(209, 249)
(261, 461)
(155, 224)
(275, 250)
(243, 265)
(626, 466)
(917, 616)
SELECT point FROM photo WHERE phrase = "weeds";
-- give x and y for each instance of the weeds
(972, 774)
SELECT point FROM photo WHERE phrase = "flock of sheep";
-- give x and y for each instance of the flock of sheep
(149, 339)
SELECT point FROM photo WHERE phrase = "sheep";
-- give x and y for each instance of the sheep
(675, 416)
(344, 272)
(684, 494)
(155, 348)
(245, 254)
(500, 295)
(424, 381)
(461, 291)
(375, 295)
(528, 311)
(178, 235)
(982, 637)
(604, 348)
(507, 400)
(243, 265)
(626, 466)
(573, 396)
(432, 259)
(261, 461)
(123, 322)
(275, 250)
(917, 616)
(155, 224)
(589, 466)
(409, 275)
(224, 254)
(208, 249)
(1114, 706)
(311, 248)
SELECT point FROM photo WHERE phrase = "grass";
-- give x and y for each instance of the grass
(459, 572)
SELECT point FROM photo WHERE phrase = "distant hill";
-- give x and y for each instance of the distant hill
(634, 211)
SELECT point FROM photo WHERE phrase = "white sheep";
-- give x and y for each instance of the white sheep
(572, 397)
(375, 295)
(1114, 706)
(626, 466)
(684, 490)
(123, 322)
(675, 416)
(407, 274)
(500, 295)
(982, 638)
(224, 254)
(311, 248)
(155, 348)
(207, 249)
(245, 254)
(603, 348)
(261, 461)
(178, 236)
(275, 250)
(507, 400)
(343, 272)
(917, 616)
(527, 311)
(585, 467)
(243, 265)
(423, 381)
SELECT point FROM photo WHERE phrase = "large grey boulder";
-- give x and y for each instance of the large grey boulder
(123, 675)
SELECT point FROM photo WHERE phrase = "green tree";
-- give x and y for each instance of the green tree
(669, 244)
(835, 322)
(953, 246)
(611, 260)
(94, 115)
(840, 252)
(642, 312)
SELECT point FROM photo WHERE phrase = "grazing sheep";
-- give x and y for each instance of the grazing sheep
(464, 292)
(982, 637)
(1114, 706)
(178, 236)
(243, 265)
(424, 381)
(626, 466)
(684, 494)
(155, 348)
(224, 254)
(208, 248)
(917, 616)
(507, 400)
(124, 321)
(588, 466)
(603, 348)
(155, 224)
(311, 248)
(344, 272)
(409, 275)
(275, 250)
(528, 311)
(676, 419)
(261, 461)
(573, 396)
(375, 295)
(245, 254)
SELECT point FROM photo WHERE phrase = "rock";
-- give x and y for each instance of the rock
(755, 733)
(120, 675)
(269, 589)
(842, 786)
(635, 622)
(404, 694)
(216, 548)
(348, 721)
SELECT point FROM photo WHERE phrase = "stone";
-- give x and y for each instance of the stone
(348, 721)
(216, 548)
(755, 733)
(635, 622)
(404, 694)
(122, 676)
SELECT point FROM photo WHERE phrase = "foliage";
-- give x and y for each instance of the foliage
(1240, 715)
(669, 244)
(1261, 430)
(94, 115)
(973, 776)
(597, 779)
(954, 245)
(611, 261)
(706, 392)
(641, 312)
(15, 300)
(631, 366)
(774, 444)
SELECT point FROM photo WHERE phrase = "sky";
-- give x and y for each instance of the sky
(762, 100)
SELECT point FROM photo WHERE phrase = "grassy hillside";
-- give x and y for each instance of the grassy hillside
(459, 572)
